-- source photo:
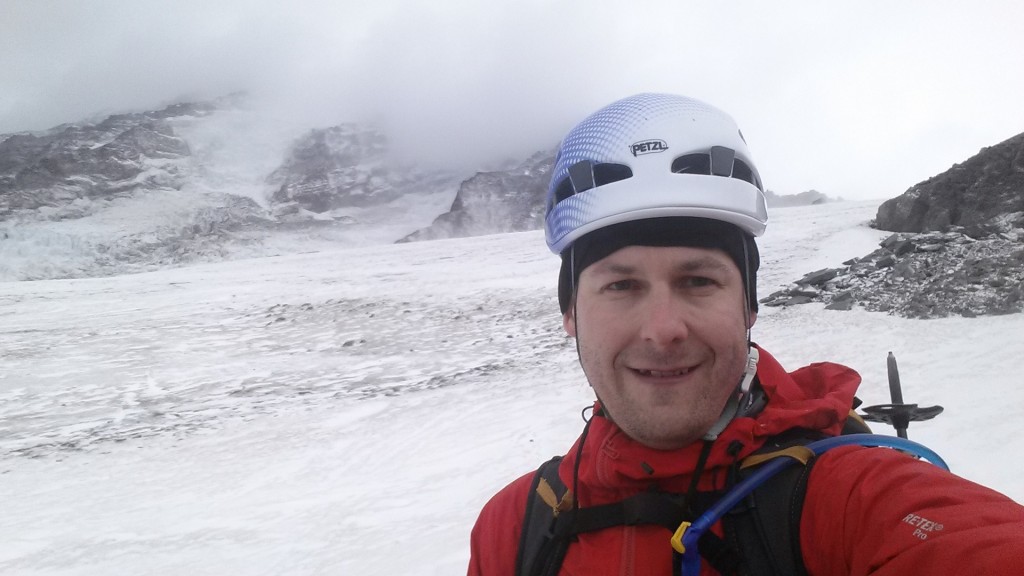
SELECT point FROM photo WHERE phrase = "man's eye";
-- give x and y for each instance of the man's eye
(621, 286)
(699, 281)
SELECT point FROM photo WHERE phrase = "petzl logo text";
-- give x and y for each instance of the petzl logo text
(648, 147)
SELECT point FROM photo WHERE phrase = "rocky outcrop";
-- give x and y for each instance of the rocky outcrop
(495, 202)
(926, 275)
(144, 190)
(807, 198)
(958, 250)
(334, 167)
(340, 167)
(984, 191)
(87, 162)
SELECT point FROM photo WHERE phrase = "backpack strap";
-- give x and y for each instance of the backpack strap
(770, 517)
(765, 527)
(536, 542)
(550, 524)
(687, 538)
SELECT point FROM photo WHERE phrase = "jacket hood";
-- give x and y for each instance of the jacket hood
(614, 466)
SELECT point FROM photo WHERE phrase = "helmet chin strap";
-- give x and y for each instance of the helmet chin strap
(742, 399)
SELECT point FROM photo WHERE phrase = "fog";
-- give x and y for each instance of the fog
(858, 101)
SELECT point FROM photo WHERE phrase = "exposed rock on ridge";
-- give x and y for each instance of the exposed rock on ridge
(495, 202)
(927, 275)
(959, 249)
(985, 190)
(807, 198)
(347, 166)
(335, 167)
(141, 191)
(88, 162)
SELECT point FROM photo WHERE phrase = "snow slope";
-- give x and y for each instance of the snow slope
(349, 412)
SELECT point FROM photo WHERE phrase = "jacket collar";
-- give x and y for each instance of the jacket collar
(614, 466)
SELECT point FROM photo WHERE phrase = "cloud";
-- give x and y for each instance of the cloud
(860, 100)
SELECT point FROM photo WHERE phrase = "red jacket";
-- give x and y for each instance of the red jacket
(867, 510)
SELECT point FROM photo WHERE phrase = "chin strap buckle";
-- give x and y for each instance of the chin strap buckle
(732, 407)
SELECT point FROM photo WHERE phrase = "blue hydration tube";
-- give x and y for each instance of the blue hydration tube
(685, 539)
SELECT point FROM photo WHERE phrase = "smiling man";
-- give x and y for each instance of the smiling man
(661, 333)
(653, 206)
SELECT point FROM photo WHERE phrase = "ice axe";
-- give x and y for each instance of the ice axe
(898, 414)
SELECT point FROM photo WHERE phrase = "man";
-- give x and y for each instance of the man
(653, 206)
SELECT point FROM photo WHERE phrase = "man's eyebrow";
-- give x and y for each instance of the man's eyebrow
(613, 268)
(703, 263)
(689, 265)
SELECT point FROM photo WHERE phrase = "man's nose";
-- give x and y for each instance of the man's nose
(666, 318)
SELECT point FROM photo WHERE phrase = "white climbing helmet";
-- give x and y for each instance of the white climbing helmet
(650, 156)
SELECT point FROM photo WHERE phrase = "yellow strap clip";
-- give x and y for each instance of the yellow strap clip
(677, 538)
(801, 454)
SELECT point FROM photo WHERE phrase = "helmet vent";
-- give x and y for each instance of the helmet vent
(580, 179)
(743, 172)
(692, 164)
(702, 163)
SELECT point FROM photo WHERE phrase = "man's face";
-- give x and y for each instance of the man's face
(662, 339)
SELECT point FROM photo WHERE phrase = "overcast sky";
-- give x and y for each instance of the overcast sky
(860, 101)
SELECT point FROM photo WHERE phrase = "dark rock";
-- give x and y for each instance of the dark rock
(117, 157)
(876, 255)
(846, 296)
(808, 198)
(885, 262)
(975, 194)
(493, 202)
(891, 241)
(902, 247)
(809, 293)
(336, 167)
(819, 277)
(967, 277)
(796, 300)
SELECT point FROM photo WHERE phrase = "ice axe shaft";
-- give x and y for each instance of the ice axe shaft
(898, 414)
(900, 421)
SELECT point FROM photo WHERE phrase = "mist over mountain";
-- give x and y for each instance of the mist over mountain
(494, 202)
(200, 182)
(214, 180)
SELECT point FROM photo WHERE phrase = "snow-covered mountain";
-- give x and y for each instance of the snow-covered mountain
(350, 411)
(215, 181)
(211, 181)
(200, 182)
(498, 201)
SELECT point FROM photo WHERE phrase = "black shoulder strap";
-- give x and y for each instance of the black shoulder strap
(537, 545)
(762, 534)
(765, 528)
(546, 536)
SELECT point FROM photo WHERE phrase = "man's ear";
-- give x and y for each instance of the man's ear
(569, 320)
(752, 318)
